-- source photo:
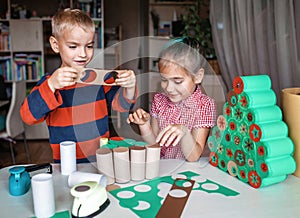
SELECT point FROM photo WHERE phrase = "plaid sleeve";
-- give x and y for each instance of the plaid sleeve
(208, 114)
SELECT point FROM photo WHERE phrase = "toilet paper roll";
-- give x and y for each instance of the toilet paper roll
(275, 148)
(272, 180)
(105, 165)
(268, 131)
(68, 157)
(79, 177)
(257, 99)
(251, 83)
(291, 115)
(152, 161)
(227, 110)
(43, 195)
(121, 164)
(282, 165)
(264, 114)
(137, 162)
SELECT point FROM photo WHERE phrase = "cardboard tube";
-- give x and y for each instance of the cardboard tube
(78, 177)
(283, 165)
(152, 161)
(257, 99)
(137, 162)
(251, 83)
(105, 164)
(68, 157)
(43, 195)
(291, 115)
(121, 164)
(264, 114)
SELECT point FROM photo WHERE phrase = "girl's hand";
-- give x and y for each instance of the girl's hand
(171, 135)
(62, 77)
(126, 79)
(139, 117)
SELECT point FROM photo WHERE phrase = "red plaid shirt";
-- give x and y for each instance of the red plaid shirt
(197, 111)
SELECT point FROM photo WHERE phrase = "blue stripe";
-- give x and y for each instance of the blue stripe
(79, 133)
(37, 105)
(81, 95)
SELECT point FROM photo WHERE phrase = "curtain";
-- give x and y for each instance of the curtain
(258, 37)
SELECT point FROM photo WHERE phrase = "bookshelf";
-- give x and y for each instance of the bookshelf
(25, 51)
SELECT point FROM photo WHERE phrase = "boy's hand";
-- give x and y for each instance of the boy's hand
(65, 76)
(126, 79)
(139, 117)
(171, 135)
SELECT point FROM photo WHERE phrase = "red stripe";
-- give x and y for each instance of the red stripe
(79, 114)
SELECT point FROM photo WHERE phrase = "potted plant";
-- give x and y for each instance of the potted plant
(196, 25)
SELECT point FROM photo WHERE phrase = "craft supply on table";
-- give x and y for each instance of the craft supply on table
(90, 199)
(137, 162)
(78, 177)
(43, 195)
(251, 140)
(19, 181)
(68, 157)
(104, 157)
(114, 161)
(145, 199)
(176, 199)
(121, 164)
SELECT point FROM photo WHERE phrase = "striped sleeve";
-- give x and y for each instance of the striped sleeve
(39, 103)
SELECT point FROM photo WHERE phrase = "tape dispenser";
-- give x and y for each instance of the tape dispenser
(19, 179)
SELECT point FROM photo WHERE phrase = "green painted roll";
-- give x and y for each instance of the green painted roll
(262, 169)
(275, 148)
(257, 99)
(263, 114)
(268, 131)
(218, 134)
(211, 143)
(272, 180)
(227, 110)
(238, 113)
(243, 174)
(250, 83)
(282, 165)
(222, 164)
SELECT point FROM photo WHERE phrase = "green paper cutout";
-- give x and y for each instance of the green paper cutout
(155, 201)
(123, 143)
(250, 140)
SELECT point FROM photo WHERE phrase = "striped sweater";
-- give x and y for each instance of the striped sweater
(75, 113)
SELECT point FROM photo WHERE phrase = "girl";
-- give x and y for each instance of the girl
(181, 116)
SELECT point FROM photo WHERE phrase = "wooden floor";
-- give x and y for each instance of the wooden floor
(40, 152)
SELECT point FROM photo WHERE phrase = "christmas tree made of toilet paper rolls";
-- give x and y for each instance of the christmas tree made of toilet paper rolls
(250, 140)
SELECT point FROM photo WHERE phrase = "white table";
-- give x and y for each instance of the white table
(279, 200)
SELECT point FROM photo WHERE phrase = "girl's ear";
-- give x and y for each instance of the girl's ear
(199, 76)
(54, 44)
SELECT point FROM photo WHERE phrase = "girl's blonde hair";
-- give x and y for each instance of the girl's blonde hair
(67, 19)
(185, 53)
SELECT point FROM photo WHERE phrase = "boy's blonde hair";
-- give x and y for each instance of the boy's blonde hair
(68, 18)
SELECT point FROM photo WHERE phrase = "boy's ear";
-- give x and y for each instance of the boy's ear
(54, 44)
(199, 76)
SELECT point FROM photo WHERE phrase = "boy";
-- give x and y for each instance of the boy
(73, 111)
